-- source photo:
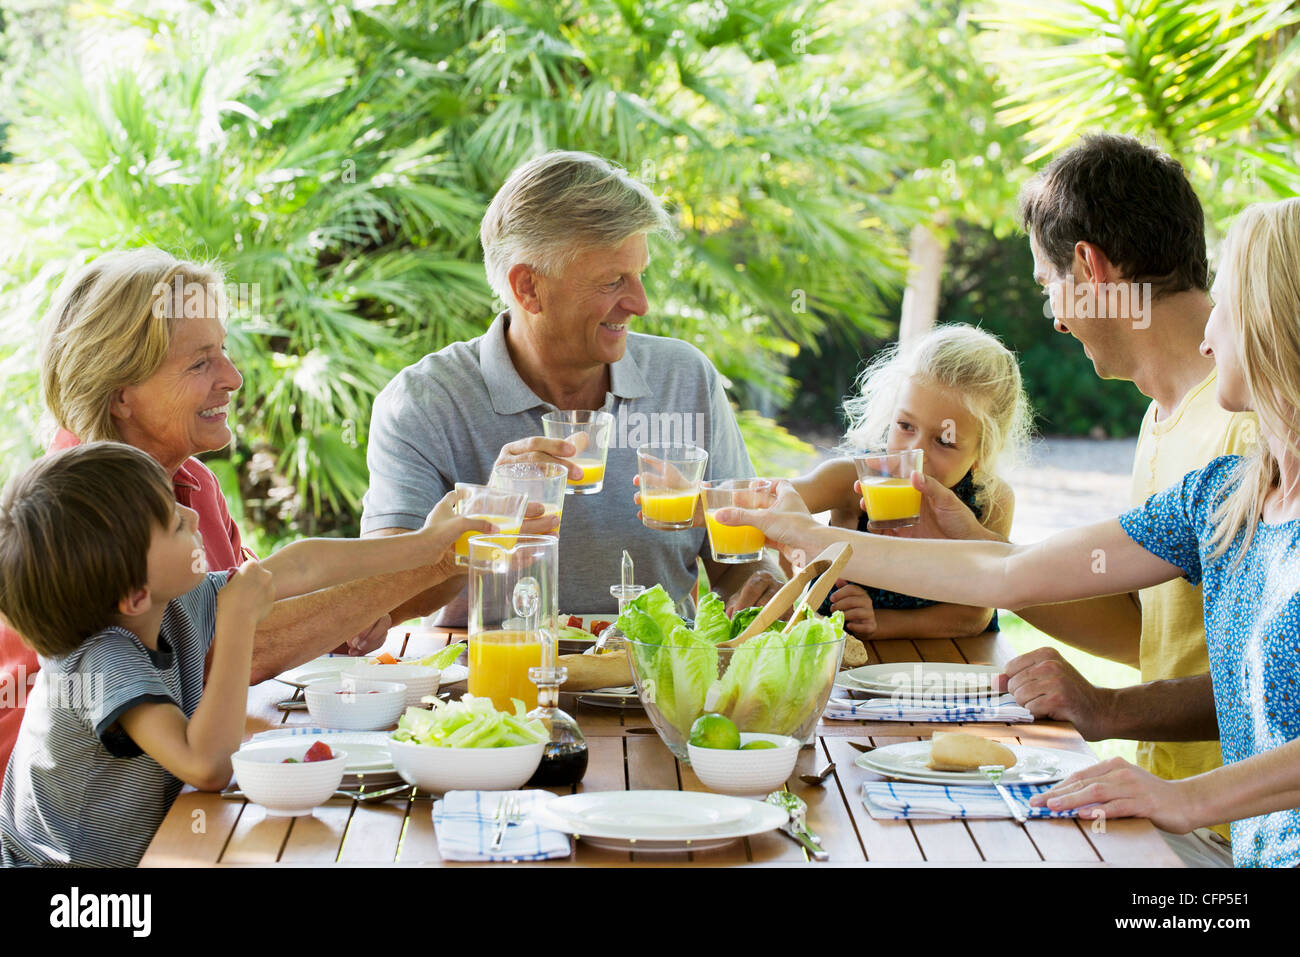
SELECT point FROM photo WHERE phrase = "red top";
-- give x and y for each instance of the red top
(197, 488)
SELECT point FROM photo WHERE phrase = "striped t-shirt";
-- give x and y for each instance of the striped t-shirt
(78, 791)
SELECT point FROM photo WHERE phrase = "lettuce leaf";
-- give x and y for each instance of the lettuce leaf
(711, 622)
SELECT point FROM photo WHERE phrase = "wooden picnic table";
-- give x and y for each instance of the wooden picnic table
(205, 829)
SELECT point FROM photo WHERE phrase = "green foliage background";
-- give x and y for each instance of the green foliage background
(338, 157)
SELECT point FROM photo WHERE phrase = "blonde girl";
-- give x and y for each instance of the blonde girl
(1233, 527)
(956, 395)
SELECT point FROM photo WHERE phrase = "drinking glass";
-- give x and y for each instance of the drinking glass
(589, 432)
(503, 509)
(541, 482)
(887, 494)
(670, 484)
(735, 544)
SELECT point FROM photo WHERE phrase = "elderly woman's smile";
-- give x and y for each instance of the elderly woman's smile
(181, 409)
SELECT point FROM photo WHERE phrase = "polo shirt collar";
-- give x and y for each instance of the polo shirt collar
(509, 393)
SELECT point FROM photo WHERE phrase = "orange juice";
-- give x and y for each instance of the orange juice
(670, 506)
(891, 500)
(728, 540)
(506, 525)
(498, 667)
(593, 473)
(553, 515)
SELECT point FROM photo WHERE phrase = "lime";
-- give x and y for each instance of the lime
(757, 746)
(715, 731)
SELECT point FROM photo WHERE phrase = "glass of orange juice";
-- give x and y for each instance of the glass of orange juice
(735, 544)
(512, 602)
(503, 509)
(887, 494)
(670, 484)
(541, 482)
(589, 432)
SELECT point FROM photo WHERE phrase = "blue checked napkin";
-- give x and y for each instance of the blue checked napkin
(463, 822)
(896, 800)
(1003, 708)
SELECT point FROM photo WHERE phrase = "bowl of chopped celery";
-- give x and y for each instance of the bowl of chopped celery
(774, 683)
(467, 745)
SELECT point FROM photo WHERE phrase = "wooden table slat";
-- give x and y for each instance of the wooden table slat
(881, 840)
(257, 837)
(317, 837)
(195, 831)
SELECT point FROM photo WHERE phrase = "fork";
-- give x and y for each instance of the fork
(994, 773)
(507, 813)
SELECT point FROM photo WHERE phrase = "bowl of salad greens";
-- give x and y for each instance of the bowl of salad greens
(467, 745)
(772, 684)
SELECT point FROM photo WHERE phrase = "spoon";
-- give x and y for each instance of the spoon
(819, 776)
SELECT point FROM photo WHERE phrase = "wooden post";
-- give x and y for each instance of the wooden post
(924, 275)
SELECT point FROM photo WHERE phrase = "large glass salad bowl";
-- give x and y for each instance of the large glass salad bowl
(773, 683)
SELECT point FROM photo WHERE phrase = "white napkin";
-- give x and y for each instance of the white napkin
(463, 823)
(927, 709)
(898, 800)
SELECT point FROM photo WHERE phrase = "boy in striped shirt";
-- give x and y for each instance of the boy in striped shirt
(102, 573)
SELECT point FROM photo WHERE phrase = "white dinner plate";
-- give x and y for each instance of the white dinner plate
(326, 666)
(922, 678)
(659, 820)
(907, 762)
(625, 697)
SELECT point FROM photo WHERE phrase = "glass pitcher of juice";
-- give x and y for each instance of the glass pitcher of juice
(513, 587)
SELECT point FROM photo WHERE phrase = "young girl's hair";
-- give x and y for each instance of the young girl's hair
(972, 364)
(1260, 256)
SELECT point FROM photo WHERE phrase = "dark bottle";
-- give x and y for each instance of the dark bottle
(564, 759)
(562, 763)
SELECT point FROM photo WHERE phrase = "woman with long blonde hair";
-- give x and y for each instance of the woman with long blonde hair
(1233, 527)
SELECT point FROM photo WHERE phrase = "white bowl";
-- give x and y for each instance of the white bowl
(288, 790)
(439, 770)
(420, 680)
(363, 705)
(746, 773)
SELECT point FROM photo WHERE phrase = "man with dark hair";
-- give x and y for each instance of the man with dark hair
(1118, 238)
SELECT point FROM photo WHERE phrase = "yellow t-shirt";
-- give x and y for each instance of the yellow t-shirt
(1173, 616)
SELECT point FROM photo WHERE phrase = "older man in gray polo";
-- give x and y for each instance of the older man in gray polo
(564, 246)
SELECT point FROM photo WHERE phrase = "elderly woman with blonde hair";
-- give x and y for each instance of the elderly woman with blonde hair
(133, 350)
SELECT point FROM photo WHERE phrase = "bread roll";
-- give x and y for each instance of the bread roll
(956, 751)
(589, 672)
(855, 653)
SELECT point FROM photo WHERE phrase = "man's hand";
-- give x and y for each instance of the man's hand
(1050, 687)
(1121, 789)
(370, 639)
(859, 612)
(538, 448)
(756, 590)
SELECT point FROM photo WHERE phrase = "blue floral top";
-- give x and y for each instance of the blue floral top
(882, 598)
(1252, 629)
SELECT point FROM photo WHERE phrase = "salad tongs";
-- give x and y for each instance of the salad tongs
(797, 593)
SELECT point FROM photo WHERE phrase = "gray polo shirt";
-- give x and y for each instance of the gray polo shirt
(444, 420)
